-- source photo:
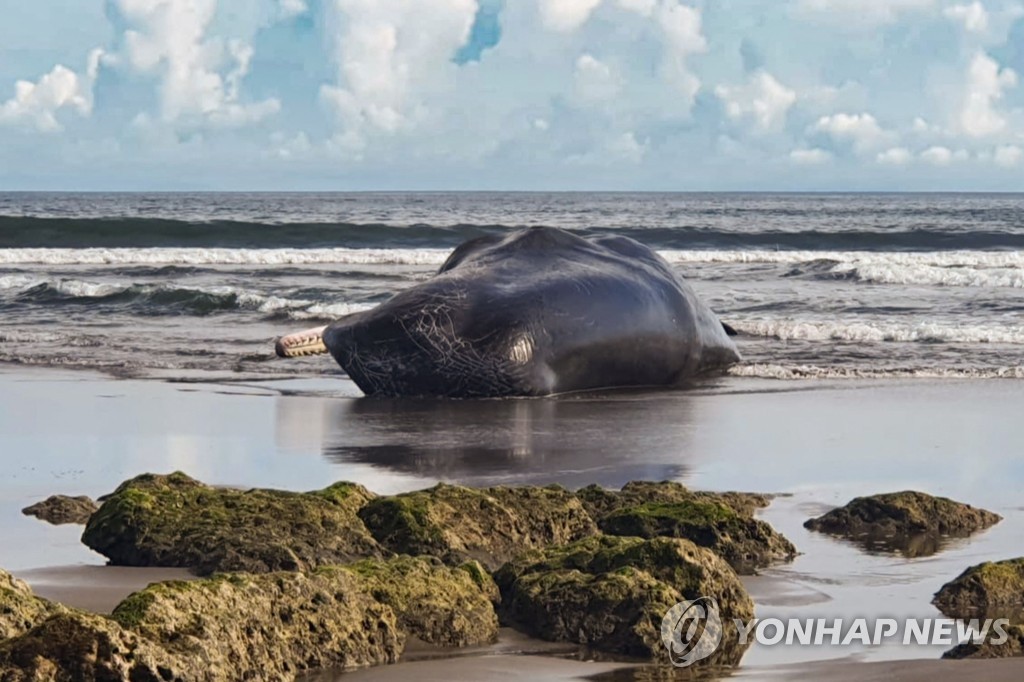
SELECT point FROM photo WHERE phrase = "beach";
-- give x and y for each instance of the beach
(816, 444)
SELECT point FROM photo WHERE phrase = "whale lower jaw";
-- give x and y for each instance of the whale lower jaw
(307, 342)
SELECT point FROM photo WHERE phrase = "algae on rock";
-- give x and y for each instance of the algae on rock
(489, 525)
(442, 605)
(174, 520)
(75, 646)
(909, 522)
(994, 589)
(266, 627)
(611, 593)
(722, 522)
(20, 610)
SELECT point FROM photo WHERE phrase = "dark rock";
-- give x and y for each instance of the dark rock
(992, 589)
(489, 525)
(611, 593)
(62, 509)
(722, 522)
(909, 522)
(174, 520)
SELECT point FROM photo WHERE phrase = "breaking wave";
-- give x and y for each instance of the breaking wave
(874, 332)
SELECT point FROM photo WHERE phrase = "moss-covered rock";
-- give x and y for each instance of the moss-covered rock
(611, 593)
(442, 605)
(266, 627)
(722, 522)
(906, 513)
(600, 502)
(20, 610)
(174, 520)
(75, 646)
(746, 543)
(1013, 646)
(489, 525)
(994, 589)
(62, 509)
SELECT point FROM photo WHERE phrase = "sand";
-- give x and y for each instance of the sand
(820, 443)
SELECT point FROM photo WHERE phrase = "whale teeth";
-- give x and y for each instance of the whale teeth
(300, 344)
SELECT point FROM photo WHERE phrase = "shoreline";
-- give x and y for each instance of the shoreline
(302, 433)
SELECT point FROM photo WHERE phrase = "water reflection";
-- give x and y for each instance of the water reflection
(606, 439)
(913, 546)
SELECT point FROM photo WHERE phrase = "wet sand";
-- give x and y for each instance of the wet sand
(821, 443)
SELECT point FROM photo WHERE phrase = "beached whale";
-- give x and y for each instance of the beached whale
(536, 312)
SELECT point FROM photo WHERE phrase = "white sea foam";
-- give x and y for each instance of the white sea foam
(888, 273)
(875, 331)
(196, 256)
(942, 268)
(22, 337)
(942, 259)
(299, 309)
(795, 372)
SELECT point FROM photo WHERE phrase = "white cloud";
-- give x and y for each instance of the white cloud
(293, 8)
(861, 12)
(937, 156)
(612, 151)
(641, 7)
(566, 15)
(36, 104)
(861, 130)
(896, 156)
(810, 157)
(973, 17)
(985, 84)
(762, 98)
(627, 147)
(390, 55)
(595, 80)
(200, 76)
(681, 26)
(1008, 155)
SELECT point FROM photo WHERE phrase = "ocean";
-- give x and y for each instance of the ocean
(817, 285)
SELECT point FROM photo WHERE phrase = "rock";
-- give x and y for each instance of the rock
(174, 520)
(746, 543)
(600, 502)
(20, 610)
(992, 589)
(1011, 648)
(75, 646)
(611, 593)
(489, 525)
(442, 605)
(271, 626)
(910, 522)
(722, 522)
(62, 509)
(266, 627)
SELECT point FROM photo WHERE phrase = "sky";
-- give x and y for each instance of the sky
(660, 95)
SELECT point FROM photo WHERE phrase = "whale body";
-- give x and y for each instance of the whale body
(537, 312)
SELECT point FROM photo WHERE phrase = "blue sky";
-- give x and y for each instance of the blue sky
(512, 94)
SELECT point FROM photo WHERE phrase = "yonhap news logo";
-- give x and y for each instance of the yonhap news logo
(691, 630)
